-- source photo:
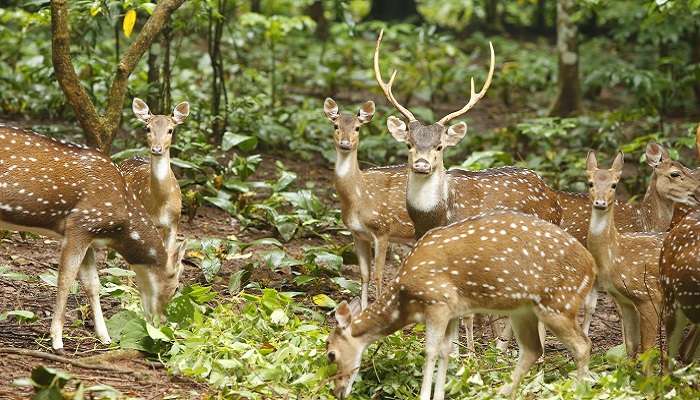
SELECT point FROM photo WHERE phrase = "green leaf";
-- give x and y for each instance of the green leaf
(324, 301)
(183, 164)
(22, 315)
(244, 142)
(279, 317)
(129, 22)
(156, 334)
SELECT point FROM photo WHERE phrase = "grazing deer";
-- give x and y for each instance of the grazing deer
(78, 195)
(372, 201)
(628, 263)
(154, 183)
(436, 197)
(502, 262)
(671, 184)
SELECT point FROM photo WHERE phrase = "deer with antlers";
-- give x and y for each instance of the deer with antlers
(628, 263)
(153, 181)
(372, 201)
(436, 197)
(79, 196)
(502, 262)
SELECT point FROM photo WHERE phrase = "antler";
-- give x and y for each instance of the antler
(387, 87)
(474, 97)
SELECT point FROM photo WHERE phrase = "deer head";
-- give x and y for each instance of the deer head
(160, 127)
(347, 126)
(426, 143)
(673, 181)
(602, 182)
(345, 350)
(157, 283)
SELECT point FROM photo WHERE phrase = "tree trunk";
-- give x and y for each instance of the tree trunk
(695, 59)
(540, 18)
(153, 97)
(166, 73)
(100, 129)
(317, 13)
(394, 10)
(255, 6)
(493, 20)
(568, 100)
(218, 84)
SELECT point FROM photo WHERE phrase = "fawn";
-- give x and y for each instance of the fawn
(502, 262)
(371, 201)
(628, 263)
(154, 183)
(435, 197)
(78, 195)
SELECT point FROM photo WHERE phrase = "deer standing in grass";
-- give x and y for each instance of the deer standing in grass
(154, 182)
(436, 197)
(502, 262)
(79, 196)
(372, 201)
(628, 263)
(671, 184)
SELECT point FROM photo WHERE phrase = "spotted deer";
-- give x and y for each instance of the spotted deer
(628, 263)
(502, 262)
(79, 196)
(436, 197)
(154, 182)
(371, 201)
(671, 184)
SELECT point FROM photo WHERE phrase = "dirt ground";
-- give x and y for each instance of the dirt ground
(140, 378)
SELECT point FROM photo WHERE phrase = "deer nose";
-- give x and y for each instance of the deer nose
(345, 144)
(157, 150)
(339, 391)
(600, 204)
(421, 166)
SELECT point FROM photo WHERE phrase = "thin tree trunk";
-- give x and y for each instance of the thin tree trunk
(695, 59)
(218, 88)
(165, 90)
(317, 13)
(493, 20)
(154, 98)
(394, 10)
(101, 129)
(568, 100)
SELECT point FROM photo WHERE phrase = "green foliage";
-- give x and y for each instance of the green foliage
(55, 384)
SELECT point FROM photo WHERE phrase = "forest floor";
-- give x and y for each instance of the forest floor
(138, 377)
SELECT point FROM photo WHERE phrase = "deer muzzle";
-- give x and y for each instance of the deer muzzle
(600, 204)
(345, 145)
(421, 166)
(157, 150)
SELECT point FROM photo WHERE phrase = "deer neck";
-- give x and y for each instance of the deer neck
(427, 200)
(657, 212)
(381, 318)
(161, 175)
(348, 177)
(603, 238)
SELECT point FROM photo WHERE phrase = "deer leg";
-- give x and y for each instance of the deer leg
(468, 324)
(445, 349)
(630, 327)
(363, 255)
(435, 328)
(381, 244)
(503, 340)
(91, 283)
(72, 255)
(689, 345)
(675, 322)
(572, 336)
(648, 324)
(526, 333)
(589, 308)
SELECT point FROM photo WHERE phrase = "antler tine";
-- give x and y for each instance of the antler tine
(473, 96)
(386, 87)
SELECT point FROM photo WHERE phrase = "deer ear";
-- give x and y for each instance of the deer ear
(618, 162)
(397, 128)
(355, 306)
(366, 112)
(343, 314)
(591, 162)
(180, 112)
(331, 109)
(655, 154)
(455, 133)
(141, 110)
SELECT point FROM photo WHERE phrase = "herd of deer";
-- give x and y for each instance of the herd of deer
(498, 241)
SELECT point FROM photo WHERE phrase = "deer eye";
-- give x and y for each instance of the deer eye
(439, 148)
(590, 184)
(331, 356)
(675, 174)
(357, 129)
(410, 146)
(148, 129)
(614, 185)
(170, 131)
